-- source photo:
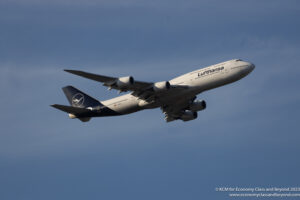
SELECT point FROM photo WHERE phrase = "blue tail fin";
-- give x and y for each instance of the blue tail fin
(79, 99)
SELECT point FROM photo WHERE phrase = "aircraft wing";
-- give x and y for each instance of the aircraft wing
(140, 89)
(175, 110)
(111, 82)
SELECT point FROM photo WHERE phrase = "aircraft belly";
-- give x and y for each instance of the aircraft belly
(176, 97)
(125, 106)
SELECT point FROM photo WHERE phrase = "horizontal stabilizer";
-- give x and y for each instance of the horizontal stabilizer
(71, 109)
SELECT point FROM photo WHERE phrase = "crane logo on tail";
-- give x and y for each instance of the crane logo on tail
(77, 100)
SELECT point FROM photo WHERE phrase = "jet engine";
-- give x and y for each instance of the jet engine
(189, 115)
(124, 82)
(161, 86)
(197, 105)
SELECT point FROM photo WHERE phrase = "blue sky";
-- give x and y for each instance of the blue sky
(247, 136)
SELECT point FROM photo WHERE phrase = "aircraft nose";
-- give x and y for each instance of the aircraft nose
(251, 67)
(248, 67)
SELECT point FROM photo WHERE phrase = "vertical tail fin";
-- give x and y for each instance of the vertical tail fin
(79, 99)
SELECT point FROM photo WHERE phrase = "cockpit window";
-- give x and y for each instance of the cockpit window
(238, 60)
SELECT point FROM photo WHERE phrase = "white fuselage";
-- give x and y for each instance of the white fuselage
(195, 82)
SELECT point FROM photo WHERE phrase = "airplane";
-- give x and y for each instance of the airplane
(176, 98)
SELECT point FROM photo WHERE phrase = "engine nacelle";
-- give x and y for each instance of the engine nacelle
(189, 115)
(161, 86)
(197, 105)
(124, 82)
